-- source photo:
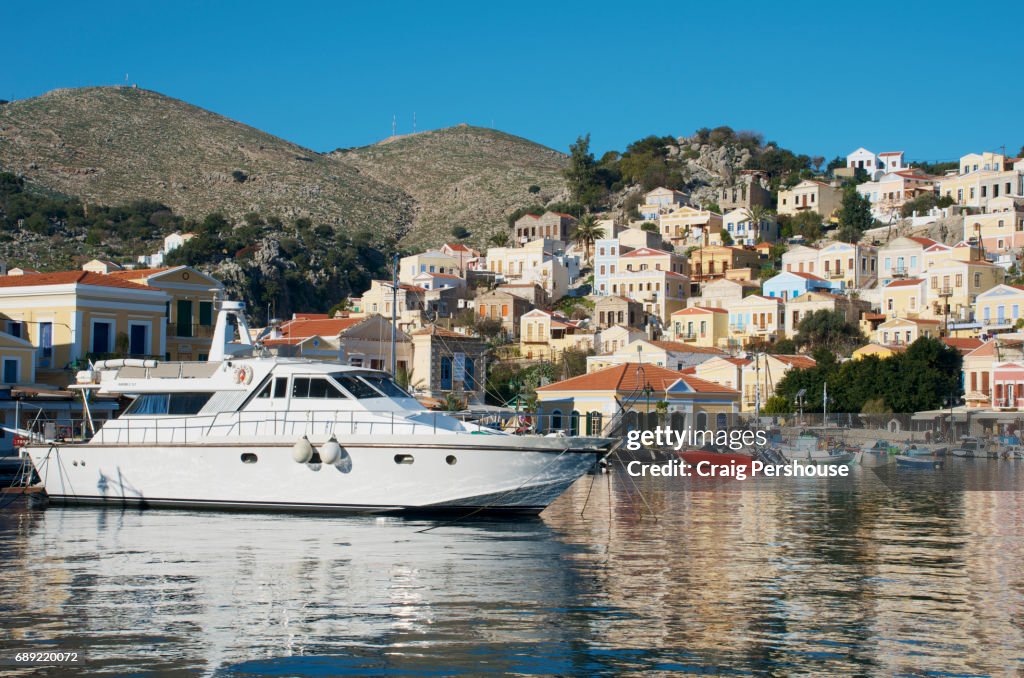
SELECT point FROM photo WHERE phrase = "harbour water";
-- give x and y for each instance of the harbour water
(820, 577)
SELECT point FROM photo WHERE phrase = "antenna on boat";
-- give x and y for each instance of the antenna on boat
(394, 316)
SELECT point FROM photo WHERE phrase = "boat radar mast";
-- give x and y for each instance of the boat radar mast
(231, 337)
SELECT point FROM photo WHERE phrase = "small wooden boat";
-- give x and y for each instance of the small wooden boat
(913, 450)
(905, 461)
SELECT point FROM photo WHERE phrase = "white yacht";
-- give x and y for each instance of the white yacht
(246, 430)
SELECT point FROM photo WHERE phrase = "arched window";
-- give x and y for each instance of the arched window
(574, 423)
(721, 421)
(446, 373)
(678, 421)
(702, 421)
(556, 420)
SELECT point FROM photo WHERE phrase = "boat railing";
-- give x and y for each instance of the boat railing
(181, 429)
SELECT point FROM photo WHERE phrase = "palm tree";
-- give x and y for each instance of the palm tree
(500, 239)
(757, 214)
(586, 233)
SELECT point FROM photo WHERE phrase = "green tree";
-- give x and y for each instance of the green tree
(806, 224)
(726, 238)
(854, 215)
(500, 239)
(460, 232)
(581, 173)
(777, 405)
(586, 233)
(829, 330)
(649, 226)
(757, 215)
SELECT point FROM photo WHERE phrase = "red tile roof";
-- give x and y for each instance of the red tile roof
(909, 282)
(331, 327)
(921, 240)
(627, 378)
(645, 252)
(892, 153)
(800, 362)
(458, 247)
(310, 316)
(807, 276)
(72, 277)
(963, 344)
(988, 349)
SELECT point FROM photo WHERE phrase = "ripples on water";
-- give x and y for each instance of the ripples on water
(809, 577)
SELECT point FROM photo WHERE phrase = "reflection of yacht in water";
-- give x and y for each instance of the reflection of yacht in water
(215, 589)
(241, 431)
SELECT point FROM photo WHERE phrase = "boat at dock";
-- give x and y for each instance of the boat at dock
(247, 430)
(810, 449)
(971, 447)
(910, 462)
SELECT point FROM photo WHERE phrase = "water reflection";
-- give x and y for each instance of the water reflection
(815, 577)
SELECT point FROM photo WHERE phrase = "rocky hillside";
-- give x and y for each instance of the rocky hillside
(112, 145)
(462, 176)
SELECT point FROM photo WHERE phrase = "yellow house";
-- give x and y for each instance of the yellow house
(597, 402)
(813, 196)
(432, 261)
(953, 287)
(17, 360)
(905, 331)
(756, 318)
(687, 226)
(878, 350)
(999, 308)
(700, 325)
(715, 261)
(904, 298)
(977, 367)
(190, 311)
(544, 335)
(70, 315)
(648, 258)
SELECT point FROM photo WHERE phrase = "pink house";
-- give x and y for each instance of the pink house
(1008, 385)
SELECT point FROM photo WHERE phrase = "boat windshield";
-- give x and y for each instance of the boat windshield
(385, 385)
(369, 385)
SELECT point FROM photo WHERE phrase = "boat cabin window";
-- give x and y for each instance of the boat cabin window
(356, 386)
(314, 387)
(277, 388)
(149, 404)
(385, 385)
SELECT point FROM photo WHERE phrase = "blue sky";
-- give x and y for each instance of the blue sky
(820, 78)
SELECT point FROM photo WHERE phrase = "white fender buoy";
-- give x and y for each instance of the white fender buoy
(302, 451)
(330, 452)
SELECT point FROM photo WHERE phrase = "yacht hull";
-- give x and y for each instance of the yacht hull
(415, 477)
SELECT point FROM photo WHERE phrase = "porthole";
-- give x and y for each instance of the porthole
(403, 459)
(451, 460)
(249, 458)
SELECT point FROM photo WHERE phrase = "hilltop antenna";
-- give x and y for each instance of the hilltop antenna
(414, 122)
(125, 79)
(394, 124)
